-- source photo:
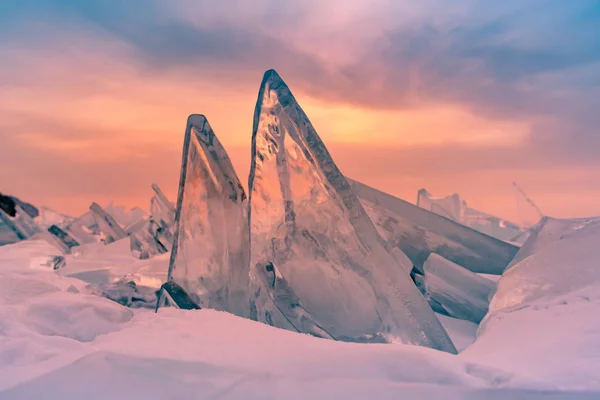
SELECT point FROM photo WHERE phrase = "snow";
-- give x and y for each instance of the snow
(461, 332)
(322, 261)
(99, 264)
(543, 318)
(559, 257)
(56, 341)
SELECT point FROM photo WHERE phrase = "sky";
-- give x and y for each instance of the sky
(459, 96)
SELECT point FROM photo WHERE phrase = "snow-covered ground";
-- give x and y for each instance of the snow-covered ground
(544, 320)
(58, 342)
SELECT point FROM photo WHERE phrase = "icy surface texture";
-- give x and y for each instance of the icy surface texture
(306, 220)
(560, 256)
(286, 301)
(209, 259)
(456, 291)
(418, 232)
(110, 230)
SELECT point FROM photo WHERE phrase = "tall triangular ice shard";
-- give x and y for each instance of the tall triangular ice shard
(209, 259)
(306, 220)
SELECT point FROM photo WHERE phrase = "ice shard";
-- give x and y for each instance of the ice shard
(122, 216)
(21, 224)
(418, 232)
(162, 218)
(7, 233)
(25, 222)
(209, 259)
(285, 300)
(63, 236)
(84, 229)
(16, 220)
(9, 204)
(306, 220)
(48, 218)
(456, 291)
(163, 208)
(173, 295)
(450, 207)
(144, 244)
(153, 234)
(456, 209)
(111, 231)
(10, 231)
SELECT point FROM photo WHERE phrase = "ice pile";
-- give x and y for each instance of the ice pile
(418, 233)
(456, 209)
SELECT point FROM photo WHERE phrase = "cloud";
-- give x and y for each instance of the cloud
(120, 78)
